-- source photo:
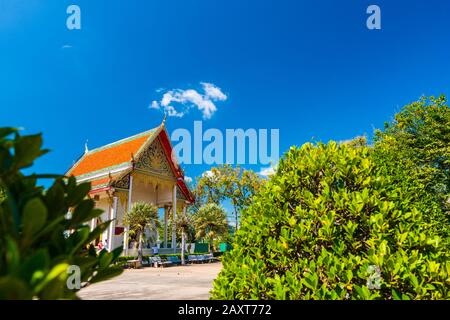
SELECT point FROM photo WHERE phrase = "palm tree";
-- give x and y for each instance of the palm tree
(184, 223)
(141, 216)
(211, 223)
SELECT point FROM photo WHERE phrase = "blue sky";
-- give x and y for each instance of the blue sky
(308, 68)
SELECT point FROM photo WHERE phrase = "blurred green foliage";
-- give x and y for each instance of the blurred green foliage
(39, 240)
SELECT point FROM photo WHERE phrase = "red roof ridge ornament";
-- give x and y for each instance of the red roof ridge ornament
(133, 160)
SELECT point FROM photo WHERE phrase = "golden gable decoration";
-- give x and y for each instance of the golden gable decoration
(154, 160)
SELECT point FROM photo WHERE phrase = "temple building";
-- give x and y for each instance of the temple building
(139, 168)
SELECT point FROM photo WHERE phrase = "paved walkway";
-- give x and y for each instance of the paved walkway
(171, 283)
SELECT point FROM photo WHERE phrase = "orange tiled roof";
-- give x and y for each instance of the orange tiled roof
(99, 182)
(110, 155)
(102, 182)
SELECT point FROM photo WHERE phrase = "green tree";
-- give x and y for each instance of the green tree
(416, 146)
(210, 223)
(210, 187)
(199, 196)
(419, 138)
(332, 224)
(184, 225)
(141, 216)
(39, 239)
(233, 183)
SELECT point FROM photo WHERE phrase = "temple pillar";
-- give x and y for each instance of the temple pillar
(112, 226)
(174, 217)
(130, 191)
(166, 224)
(92, 224)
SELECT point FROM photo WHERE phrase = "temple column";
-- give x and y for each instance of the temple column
(174, 217)
(130, 191)
(112, 226)
(92, 226)
(183, 243)
(166, 224)
(157, 208)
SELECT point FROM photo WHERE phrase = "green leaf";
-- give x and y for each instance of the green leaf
(396, 295)
(84, 212)
(57, 271)
(27, 149)
(14, 289)
(311, 281)
(78, 194)
(34, 216)
(105, 259)
(363, 292)
(12, 255)
(4, 132)
(349, 275)
(37, 262)
(106, 274)
(99, 229)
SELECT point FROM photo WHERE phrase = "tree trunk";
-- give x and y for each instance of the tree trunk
(182, 246)
(140, 248)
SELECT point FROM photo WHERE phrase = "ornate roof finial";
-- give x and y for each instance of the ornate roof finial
(165, 117)
(133, 161)
(86, 150)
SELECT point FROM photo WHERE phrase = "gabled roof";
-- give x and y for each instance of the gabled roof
(102, 166)
(111, 155)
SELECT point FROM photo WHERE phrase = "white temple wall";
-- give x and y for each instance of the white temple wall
(143, 192)
(165, 194)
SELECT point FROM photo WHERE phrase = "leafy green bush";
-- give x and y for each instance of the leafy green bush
(415, 147)
(420, 134)
(330, 224)
(38, 239)
(122, 260)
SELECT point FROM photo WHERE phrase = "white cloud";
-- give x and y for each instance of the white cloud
(213, 92)
(154, 105)
(66, 46)
(173, 113)
(267, 172)
(188, 179)
(191, 98)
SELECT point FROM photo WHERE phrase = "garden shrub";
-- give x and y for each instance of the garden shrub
(122, 260)
(415, 146)
(38, 239)
(331, 224)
